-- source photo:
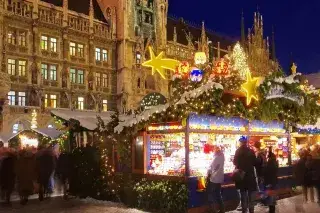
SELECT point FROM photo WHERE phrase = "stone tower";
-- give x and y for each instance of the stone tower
(140, 24)
(259, 50)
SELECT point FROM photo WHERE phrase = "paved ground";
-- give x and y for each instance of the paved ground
(57, 205)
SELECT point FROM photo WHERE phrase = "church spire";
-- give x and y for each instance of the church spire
(203, 36)
(243, 34)
(91, 11)
(273, 46)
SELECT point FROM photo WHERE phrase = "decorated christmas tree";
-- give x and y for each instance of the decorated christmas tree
(34, 123)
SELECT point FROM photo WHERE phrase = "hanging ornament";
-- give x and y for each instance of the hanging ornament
(159, 64)
(250, 88)
(221, 67)
(196, 75)
(200, 58)
(183, 67)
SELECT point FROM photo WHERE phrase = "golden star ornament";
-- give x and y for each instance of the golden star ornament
(160, 64)
(250, 88)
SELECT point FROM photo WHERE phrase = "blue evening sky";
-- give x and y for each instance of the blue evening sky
(296, 24)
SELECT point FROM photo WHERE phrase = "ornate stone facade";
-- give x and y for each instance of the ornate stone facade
(55, 58)
(88, 55)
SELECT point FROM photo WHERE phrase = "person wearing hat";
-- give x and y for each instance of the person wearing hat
(215, 179)
(245, 162)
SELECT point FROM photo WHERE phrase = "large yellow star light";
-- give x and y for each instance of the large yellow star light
(250, 88)
(159, 64)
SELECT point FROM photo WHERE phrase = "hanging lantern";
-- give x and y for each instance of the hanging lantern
(200, 58)
(183, 67)
(221, 67)
(201, 184)
(196, 75)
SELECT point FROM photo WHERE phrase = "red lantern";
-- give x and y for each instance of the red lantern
(221, 67)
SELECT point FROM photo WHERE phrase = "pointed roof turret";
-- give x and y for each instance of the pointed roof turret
(203, 37)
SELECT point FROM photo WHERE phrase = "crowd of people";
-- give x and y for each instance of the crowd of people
(31, 171)
(307, 173)
(255, 174)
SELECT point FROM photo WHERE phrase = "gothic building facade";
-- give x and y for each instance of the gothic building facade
(87, 57)
(67, 55)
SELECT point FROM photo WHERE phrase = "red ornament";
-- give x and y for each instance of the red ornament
(207, 148)
(221, 67)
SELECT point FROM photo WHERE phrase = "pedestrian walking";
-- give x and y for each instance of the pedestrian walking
(245, 176)
(7, 175)
(214, 179)
(260, 163)
(64, 171)
(26, 174)
(309, 179)
(271, 180)
(45, 165)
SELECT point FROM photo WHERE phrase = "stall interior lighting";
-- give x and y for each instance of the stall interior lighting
(162, 128)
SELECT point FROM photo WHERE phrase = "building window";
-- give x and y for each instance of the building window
(80, 103)
(104, 55)
(22, 99)
(73, 77)
(11, 67)
(11, 37)
(53, 44)
(105, 80)
(138, 58)
(98, 80)
(53, 72)
(22, 39)
(44, 71)
(72, 48)
(105, 105)
(98, 54)
(46, 100)
(22, 68)
(139, 83)
(80, 77)
(44, 42)
(12, 98)
(80, 50)
(53, 101)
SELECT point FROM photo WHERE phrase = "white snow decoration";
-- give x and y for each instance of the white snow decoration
(289, 79)
(145, 115)
(315, 126)
(87, 119)
(278, 91)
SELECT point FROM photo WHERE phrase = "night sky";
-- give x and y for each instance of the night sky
(296, 24)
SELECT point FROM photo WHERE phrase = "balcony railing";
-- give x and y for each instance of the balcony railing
(20, 8)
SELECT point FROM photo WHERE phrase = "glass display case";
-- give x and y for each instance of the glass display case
(166, 154)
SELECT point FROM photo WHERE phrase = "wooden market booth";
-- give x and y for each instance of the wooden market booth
(178, 150)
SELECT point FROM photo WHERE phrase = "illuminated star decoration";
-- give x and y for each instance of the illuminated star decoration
(159, 64)
(250, 88)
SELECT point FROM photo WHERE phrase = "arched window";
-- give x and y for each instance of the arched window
(138, 58)
(50, 126)
(150, 83)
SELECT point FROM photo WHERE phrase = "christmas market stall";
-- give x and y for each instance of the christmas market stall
(215, 103)
(35, 137)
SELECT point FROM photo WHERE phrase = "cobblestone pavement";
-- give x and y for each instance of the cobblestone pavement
(58, 205)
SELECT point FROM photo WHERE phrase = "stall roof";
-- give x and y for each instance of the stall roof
(7, 137)
(87, 119)
(49, 132)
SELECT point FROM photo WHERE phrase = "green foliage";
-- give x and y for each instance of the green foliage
(161, 196)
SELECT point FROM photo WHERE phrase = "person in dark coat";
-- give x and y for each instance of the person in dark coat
(299, 169)
(245, 161)
(45, 164)
(64, 171)
(309, 179)
(26, 174)
(271, 179)
(7, 177)
(260, 163)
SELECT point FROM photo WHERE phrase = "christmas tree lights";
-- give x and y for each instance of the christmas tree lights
(240, 61)
(34, 123)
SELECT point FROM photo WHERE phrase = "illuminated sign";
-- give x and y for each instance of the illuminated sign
(203, 122)
(164, 127)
